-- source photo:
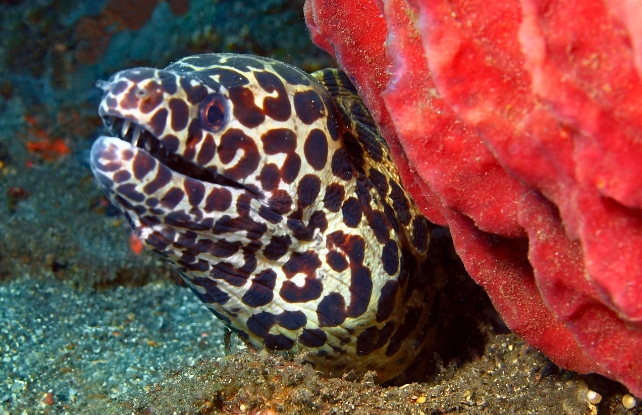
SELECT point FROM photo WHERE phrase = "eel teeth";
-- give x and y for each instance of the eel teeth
(125, 128)
(136, 134)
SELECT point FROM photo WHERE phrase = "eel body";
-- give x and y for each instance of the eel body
(274, 195)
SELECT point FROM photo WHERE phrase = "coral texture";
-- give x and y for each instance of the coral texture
(518, 125)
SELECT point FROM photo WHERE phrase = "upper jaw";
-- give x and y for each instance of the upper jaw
(127, 129)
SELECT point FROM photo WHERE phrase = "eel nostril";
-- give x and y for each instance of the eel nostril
(104, 85)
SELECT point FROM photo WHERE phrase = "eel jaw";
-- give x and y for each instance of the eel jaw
(136, 135)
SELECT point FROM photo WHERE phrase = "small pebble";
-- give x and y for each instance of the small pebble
(628, 401)
(593, 397)
(420, 400)
(48, 399)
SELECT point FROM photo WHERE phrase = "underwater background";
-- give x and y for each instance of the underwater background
(90, 324)
(85, 317)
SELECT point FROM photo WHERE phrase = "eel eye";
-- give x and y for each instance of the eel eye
(213, 113)
(142, 93)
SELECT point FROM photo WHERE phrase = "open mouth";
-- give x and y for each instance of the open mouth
(138, 136)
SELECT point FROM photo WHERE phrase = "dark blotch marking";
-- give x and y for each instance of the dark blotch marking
(227, 272)
(111, 102)
(261, 323)
(411, 319)
(390, 215)
(158, 241)
(277, 108)
(235, 140)
(316, 149)
(171, 143)
(354, 149)
(142, 165)
(280, 202)
(372, 339)
(313, 337)
(337, 261)
(196, 93)
(352, 209)
(270, 177)
(341, 165)
(390, 257)
(180, 219)
(154, 98)
(227, 224)
(194, 136)
(212, 294)
(244, 63)
(360, 289)
(368, 138)
(202, 245)
(122, 176)
(334, 195)
(227, 77)
(277, 247)
(185, 241)
(278, 342)
(380, 226)
(180, 114)
(292, 75)
(204, 60)
(420, 233)
(352, 245)
(172, 198)
(361, 189)
(387, 300)
(269, 215)
(379, 180)
(279, 140)
(333, 119)
(308, 106)
(195, 191)
(260, 292)
(152, 202)
(400, 203)
(223, 248)
(129, 190)
(245, 110)
(310, 291)
(219, 199)
(207, 151)
(291, 167)
(304, 232)
(118, 88)
(360, 278)
(127, 154)
(163, 177)
(331, 311)
(168, 82)
(308, 190)
(306, 263)
(158, 122)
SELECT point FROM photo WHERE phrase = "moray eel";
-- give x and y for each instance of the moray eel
(273, 194)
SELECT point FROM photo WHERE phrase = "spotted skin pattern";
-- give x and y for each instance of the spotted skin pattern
(274, 195)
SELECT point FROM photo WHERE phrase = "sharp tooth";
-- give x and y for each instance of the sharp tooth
(125, 128)
(136, 134)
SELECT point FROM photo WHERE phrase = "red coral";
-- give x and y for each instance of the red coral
(41, 141)
(518, 126)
